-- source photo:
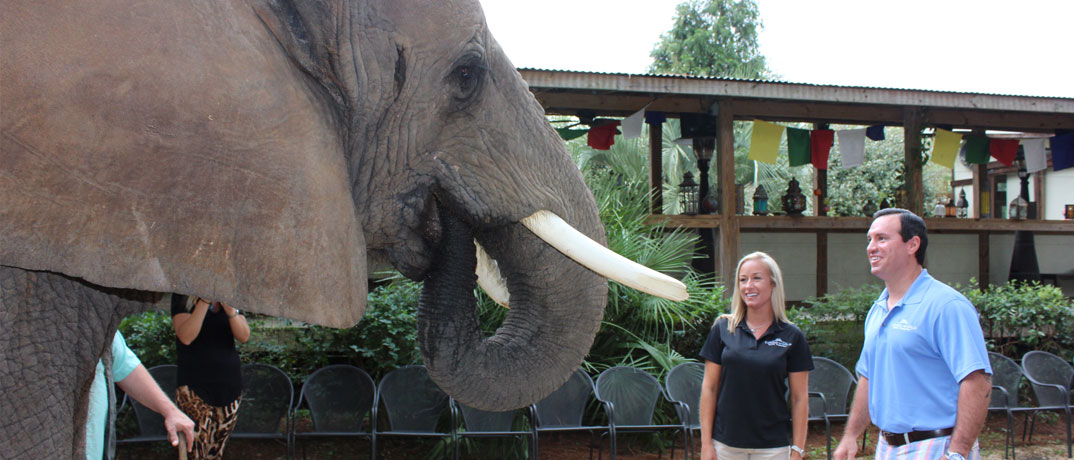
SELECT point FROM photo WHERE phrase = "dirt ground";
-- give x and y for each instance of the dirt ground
(1048, 443)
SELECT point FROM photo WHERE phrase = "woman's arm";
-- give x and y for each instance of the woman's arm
(799, 410)
(188, 325)
(710, 388)
(239, 328)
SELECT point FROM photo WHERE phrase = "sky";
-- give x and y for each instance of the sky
(1023, 47)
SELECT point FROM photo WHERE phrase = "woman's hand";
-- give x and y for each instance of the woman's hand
(708, 451)
(795, 455)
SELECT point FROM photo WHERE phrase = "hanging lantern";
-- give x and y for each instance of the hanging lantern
(939, 210)
(962, 205)
(760, 201)
(1019, 207)
(688, 191)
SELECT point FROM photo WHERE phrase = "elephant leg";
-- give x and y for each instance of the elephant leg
(53, 329)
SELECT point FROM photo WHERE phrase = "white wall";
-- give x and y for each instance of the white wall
(951, 258)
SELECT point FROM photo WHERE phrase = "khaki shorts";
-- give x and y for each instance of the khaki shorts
(726, 452)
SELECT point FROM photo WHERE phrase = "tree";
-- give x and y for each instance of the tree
(715, 38)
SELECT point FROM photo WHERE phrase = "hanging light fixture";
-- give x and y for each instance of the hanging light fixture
(1019, 207)
(688, 191)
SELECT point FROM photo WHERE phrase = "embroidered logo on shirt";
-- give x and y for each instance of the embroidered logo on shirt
(777, 343)
(904, 325)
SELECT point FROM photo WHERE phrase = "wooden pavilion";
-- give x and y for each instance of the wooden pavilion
(729, 100)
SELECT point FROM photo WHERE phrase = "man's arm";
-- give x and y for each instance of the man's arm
(974, 394)
(856, 423)
(141, 386)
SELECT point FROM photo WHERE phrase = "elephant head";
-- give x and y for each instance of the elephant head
(272, 153)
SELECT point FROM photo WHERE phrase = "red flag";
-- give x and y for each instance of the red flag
(1003, 150)
(602, 137)
(820, 141)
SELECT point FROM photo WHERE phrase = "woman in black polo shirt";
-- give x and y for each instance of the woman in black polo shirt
(749, 356)
(209, 377)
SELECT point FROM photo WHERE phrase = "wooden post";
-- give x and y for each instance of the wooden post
(980, 183)
(725, 169)
(820, 182)
(656, 169)
(982, 260)
(912, 151)
(822, 263)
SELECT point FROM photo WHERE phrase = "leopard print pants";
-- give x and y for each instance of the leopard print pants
(212, 424)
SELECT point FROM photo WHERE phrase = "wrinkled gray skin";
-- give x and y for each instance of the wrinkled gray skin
(270, 154)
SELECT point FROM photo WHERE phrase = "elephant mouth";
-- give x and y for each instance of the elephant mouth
(556, 306)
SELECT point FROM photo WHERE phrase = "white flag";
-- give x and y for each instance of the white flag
(852, 147)
(632, 124)
(1034, 150)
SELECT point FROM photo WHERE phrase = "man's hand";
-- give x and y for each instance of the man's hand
(176, 421)
(847, 449)
(708, 451)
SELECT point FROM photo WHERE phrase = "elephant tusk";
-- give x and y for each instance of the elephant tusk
(490, 279)
(582, 249)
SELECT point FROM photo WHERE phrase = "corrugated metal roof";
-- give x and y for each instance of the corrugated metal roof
(763, 89)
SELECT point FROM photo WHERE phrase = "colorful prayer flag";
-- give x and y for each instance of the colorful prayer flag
(798, 146)
(875, 132)
(852, 147)
(1062, 152)
(945, 148)
(602, 137)
(764, 142)
(632, 124)
(976, 149)
(1003, 150)
(1036, 160)
(820, 146)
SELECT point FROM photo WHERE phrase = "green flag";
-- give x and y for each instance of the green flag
(798, 146)
(977, 149)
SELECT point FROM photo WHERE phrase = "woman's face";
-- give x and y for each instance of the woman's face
(755, 284)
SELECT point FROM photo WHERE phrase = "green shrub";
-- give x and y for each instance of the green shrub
(834, 324)
(151, 336)
(1017, 317)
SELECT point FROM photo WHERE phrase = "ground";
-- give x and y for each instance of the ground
(1049, 438)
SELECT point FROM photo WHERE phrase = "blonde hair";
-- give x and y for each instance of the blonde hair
(738, 306)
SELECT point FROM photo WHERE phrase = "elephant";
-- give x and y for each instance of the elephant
(273, 154)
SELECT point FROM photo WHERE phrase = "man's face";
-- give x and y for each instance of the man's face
(888, 254)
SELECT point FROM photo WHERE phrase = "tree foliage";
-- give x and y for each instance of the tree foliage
(716, 38)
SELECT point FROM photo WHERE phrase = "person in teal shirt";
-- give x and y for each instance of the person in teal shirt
(131, 376)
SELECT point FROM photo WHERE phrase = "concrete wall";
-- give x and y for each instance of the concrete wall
(951, 258)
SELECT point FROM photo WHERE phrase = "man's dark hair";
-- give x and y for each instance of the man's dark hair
(912, 226)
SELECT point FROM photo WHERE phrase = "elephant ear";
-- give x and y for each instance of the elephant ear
(211, 168)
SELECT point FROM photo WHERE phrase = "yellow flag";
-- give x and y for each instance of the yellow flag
(945, 148)
(764, 143)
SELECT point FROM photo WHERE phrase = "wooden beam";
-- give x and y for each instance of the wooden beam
(812, 224)
(820, 182)
(725, 167)
(822, 263)
(912, 168)
(982, 260)
(996, 120)
(656, 169)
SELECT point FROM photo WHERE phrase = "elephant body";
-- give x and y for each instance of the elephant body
(271, 154)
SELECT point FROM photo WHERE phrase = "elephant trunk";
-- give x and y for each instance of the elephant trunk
(556, 309)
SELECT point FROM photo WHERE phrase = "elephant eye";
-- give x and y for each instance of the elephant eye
(467, 78)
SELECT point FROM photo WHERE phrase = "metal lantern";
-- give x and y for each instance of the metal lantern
(950, 210)
(962, 205)
(688, 192)
(760, 201)
(939, 210)
(794, 201)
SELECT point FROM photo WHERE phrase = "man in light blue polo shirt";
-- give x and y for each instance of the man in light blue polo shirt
(923, 377)
(130, 375)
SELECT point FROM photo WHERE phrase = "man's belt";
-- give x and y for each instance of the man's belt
(898, 439)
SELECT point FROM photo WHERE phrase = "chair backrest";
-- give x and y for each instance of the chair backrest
(632, 392)
(151, 423)
(267, 394)
(412, 402)
(1006, 374)
(683, 384)
(833, 381)
(1041, 367)
(565, 407)
(482, 421)
(339, 397)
